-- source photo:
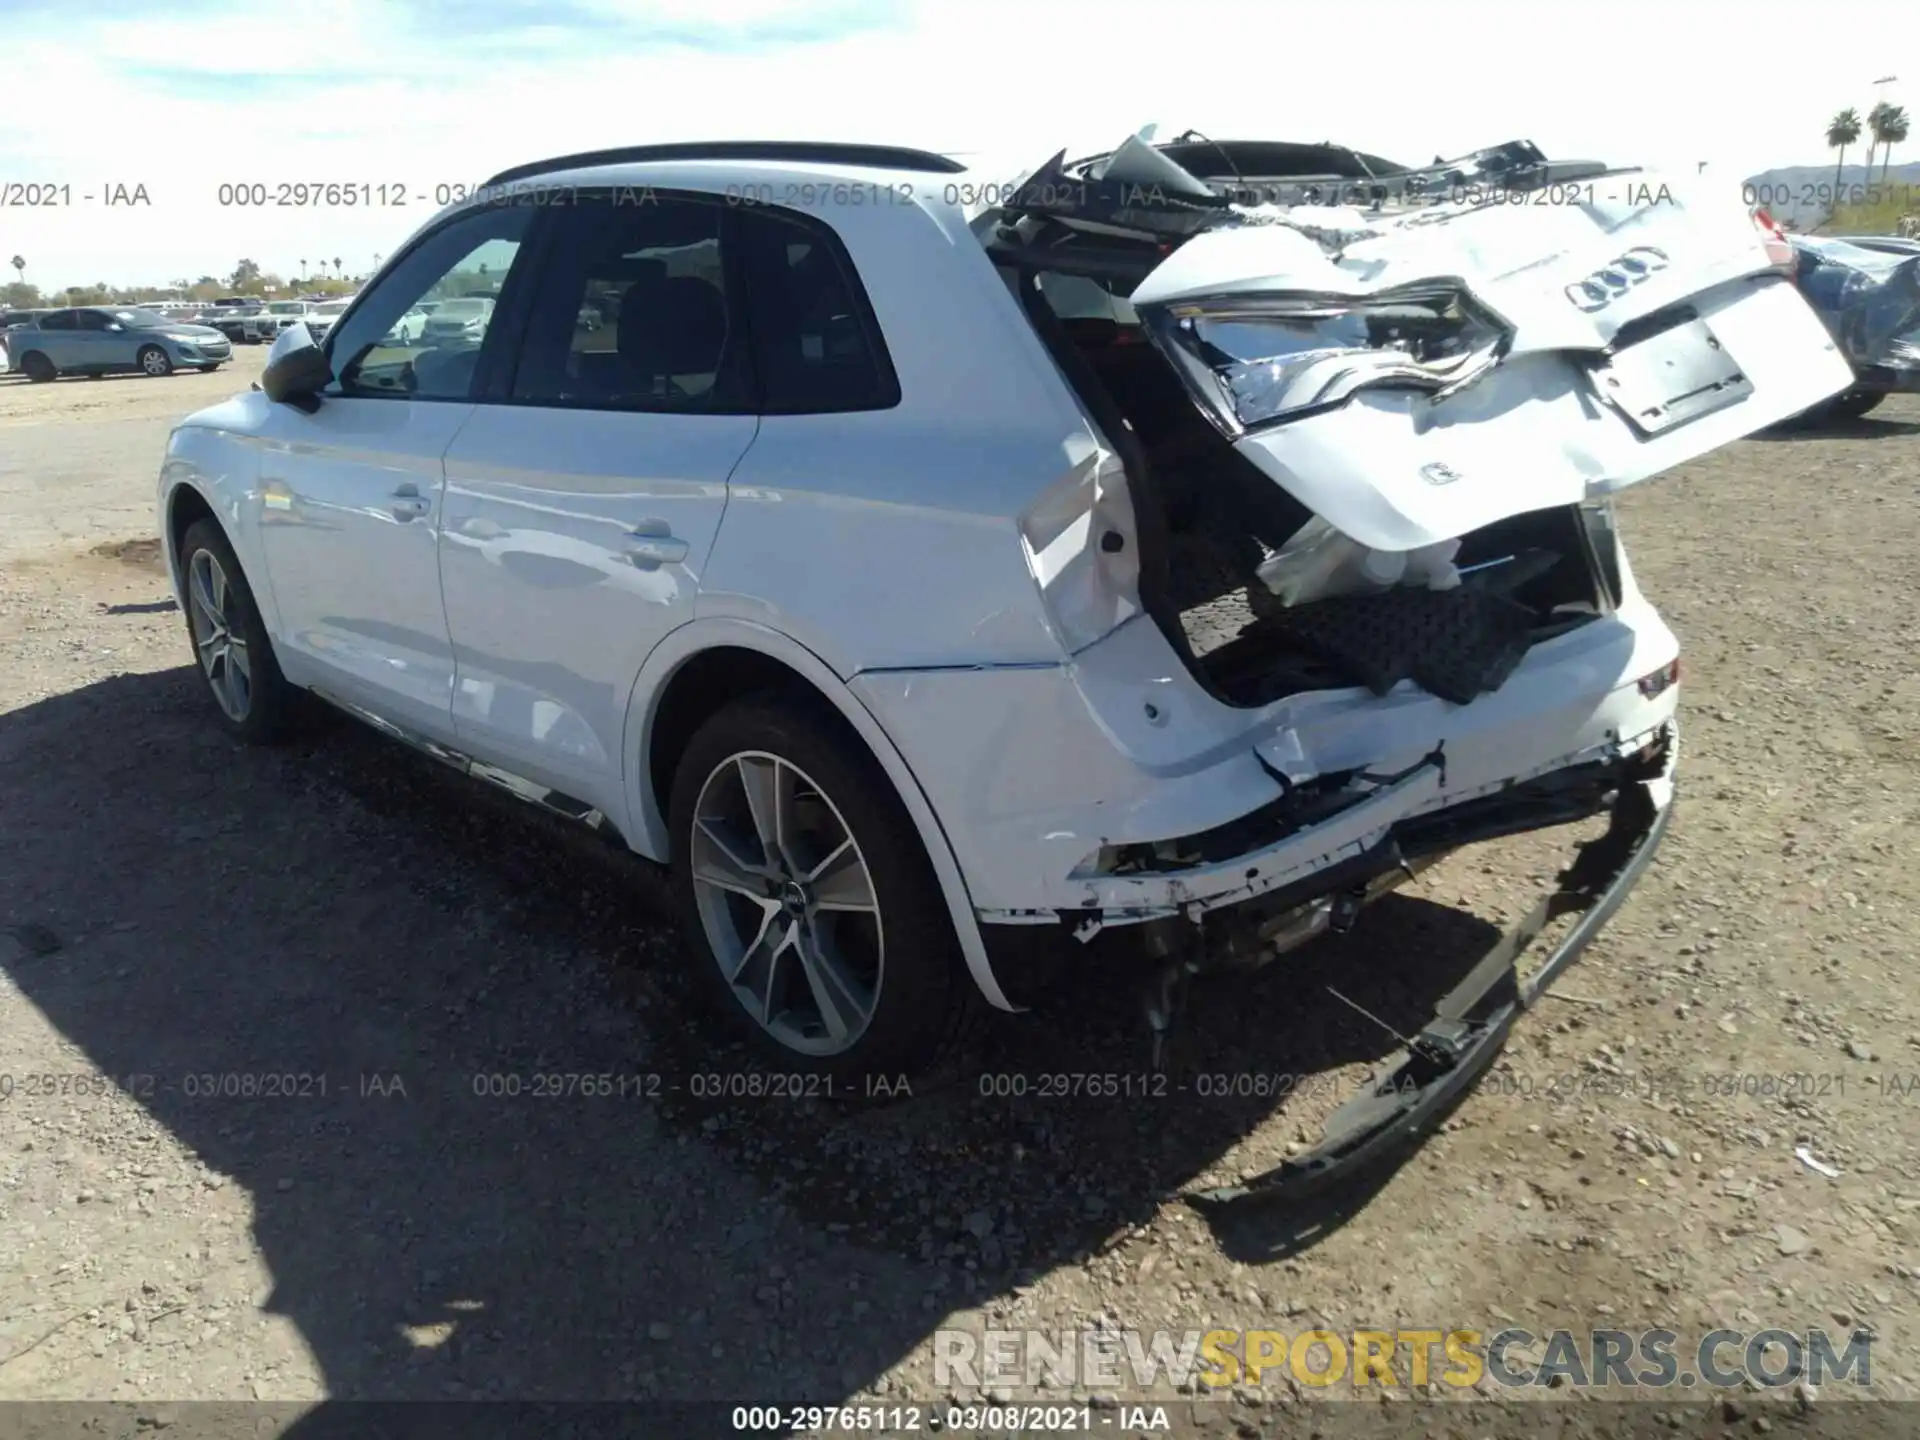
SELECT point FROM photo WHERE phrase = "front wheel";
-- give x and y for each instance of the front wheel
(209, 369)
(817, 926)
(154, 361)
(230, 641)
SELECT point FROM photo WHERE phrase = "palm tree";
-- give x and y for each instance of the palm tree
(303, 269)
(1842, 131)
(1876, 118)
(336, 267)
(19, 268)
(1890, 126)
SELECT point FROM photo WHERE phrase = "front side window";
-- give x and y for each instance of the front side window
(473, 252)
(93, 320)
(816, 345)
(631, 312)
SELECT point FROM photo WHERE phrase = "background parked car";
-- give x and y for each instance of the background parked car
(409, 328)
(320, 319)
(459, 321)
(289, 312)
(242, 320)
(99, 342)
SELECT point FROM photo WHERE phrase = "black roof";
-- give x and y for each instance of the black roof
(876, 157)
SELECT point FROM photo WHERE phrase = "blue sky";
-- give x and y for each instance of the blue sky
(182, 95)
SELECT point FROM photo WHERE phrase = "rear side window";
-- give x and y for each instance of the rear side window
(816, 346)
(59, 320)
(633, 311)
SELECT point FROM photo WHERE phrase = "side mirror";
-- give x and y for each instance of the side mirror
(115, 326)
(296, 370)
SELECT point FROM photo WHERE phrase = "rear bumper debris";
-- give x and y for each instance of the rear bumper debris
(1415, 1086)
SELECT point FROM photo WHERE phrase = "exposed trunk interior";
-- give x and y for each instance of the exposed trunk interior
(1219, 518)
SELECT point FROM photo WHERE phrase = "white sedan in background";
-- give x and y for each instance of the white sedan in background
(408, 329)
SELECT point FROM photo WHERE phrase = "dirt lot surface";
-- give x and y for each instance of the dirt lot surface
(188, 916)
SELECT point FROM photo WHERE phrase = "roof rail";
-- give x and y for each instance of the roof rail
(878, 157)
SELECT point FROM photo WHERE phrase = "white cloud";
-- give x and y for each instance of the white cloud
(358, 91)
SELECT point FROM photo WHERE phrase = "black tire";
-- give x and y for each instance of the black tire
(209, 369)
(38, 368)
(924, 995)
(1852, 404)
(269, 713)
(1847, 406)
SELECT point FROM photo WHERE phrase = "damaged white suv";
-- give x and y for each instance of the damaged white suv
(1195, 538)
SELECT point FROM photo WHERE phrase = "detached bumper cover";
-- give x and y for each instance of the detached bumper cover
(1416, 1085)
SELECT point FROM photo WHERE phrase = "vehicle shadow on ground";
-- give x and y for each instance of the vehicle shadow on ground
(412, 955)
(1867, 427)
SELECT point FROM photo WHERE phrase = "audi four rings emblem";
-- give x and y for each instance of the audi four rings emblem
(1608, 284)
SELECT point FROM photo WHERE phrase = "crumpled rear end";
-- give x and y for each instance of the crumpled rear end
(1869, 302)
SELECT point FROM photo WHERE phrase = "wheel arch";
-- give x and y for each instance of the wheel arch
(707, 662)
(185, 504)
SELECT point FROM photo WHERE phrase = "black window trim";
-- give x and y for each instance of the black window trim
(489, 348)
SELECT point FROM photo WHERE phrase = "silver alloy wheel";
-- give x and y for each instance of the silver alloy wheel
(222, 649)
(787, 903)
(154, 360)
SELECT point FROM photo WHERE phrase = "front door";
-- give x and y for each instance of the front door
(351, 494)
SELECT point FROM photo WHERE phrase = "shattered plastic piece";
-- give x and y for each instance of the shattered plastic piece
(1319, 563)
(1819, 1167)
(1433, 567)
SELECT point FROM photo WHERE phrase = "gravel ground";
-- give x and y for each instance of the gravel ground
(340, 912)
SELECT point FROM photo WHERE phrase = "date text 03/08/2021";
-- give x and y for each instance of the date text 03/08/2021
(514, 1085)
(995, 1419)
(251, 1085)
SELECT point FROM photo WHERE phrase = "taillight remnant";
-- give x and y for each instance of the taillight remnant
(1661, 680)
(1779, 248)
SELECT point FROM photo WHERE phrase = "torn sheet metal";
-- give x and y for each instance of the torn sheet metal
(1628, 323)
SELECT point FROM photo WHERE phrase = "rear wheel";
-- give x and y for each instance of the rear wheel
(817, 925)
(39, 369)
(230, 641)
(154, 361)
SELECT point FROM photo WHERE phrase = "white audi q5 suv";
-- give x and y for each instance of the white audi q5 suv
(937, 570)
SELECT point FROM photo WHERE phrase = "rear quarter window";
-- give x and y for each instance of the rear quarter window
(817, 347)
